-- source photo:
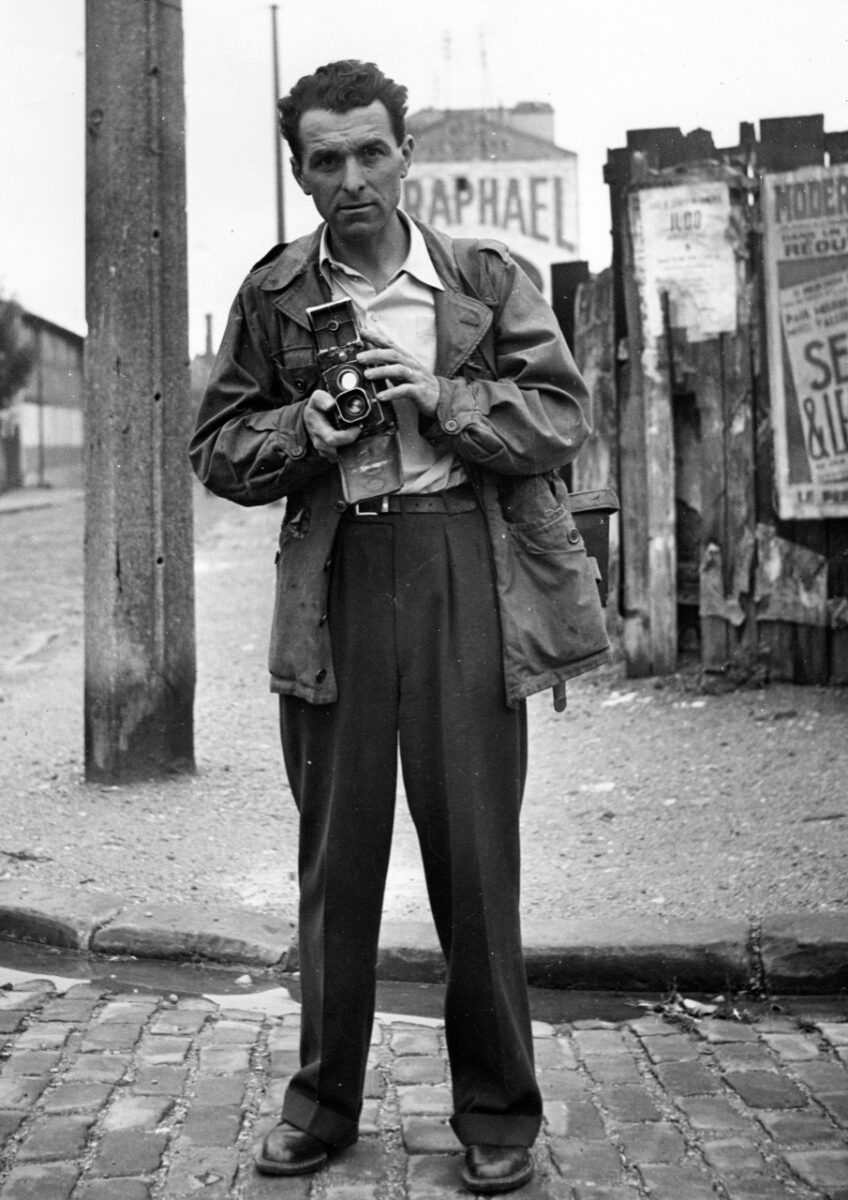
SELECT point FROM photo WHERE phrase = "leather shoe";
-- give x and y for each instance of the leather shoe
(490, 1170)
(287, 1150)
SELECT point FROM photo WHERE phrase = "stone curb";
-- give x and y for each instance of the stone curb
(786, 953)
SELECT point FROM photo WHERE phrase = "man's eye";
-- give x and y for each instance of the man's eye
(371, 152)
(326, 162)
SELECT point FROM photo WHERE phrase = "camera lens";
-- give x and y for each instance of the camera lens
(355, 406)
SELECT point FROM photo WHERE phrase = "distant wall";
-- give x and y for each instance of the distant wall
(48, 412)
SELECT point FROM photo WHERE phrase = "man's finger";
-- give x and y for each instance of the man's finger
(381, 354)
(376, 339)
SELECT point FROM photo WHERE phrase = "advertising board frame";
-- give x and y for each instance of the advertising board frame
(805, 228)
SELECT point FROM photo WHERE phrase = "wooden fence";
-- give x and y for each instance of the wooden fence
(683, 430)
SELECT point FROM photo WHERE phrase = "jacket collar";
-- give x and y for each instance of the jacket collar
(294, 278)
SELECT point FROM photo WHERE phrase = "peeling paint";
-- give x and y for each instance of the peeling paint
(791, 581)
(739, 423)
(714, 601)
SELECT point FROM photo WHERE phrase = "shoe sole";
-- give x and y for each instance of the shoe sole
(269, 1166)
(495, 1187)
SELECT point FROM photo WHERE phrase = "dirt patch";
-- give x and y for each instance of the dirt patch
(644, 797)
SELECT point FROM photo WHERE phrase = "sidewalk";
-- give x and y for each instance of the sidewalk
(129, 1097)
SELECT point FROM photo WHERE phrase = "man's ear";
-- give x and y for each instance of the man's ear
(298, 174)
(406, 148)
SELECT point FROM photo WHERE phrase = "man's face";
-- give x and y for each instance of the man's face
(352, 168)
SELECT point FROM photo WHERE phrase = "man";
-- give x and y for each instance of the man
(421, 618)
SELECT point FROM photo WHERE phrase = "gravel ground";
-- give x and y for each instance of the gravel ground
(645, 797)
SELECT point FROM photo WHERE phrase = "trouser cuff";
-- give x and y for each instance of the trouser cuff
(322, 1123)
(485, 1129)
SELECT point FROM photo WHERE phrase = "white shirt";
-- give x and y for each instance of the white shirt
(405, 313)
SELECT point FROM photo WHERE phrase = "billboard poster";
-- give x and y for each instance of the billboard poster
(683, 248)
(531, 205)
(805, 214)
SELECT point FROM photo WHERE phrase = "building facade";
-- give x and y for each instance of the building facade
(497, 173)
(46, 420)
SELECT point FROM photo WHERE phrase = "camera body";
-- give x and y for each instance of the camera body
(370, 466)
(338, 342)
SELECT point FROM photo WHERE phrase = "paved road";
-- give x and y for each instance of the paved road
(137, 1096)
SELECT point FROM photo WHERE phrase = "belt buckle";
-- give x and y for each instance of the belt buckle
(371, 512)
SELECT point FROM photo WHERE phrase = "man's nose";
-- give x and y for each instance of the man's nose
(353, 176)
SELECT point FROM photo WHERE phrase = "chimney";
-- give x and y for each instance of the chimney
(209, 350)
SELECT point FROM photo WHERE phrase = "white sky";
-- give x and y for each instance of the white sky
(606, 66)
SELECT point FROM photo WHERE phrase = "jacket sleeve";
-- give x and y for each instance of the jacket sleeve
(529, 418)
(250, 444)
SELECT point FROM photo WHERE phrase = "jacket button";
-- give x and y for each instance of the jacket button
(340, 505)
(300, 385)
(451, 425)
(322, 620)
(297, 451)
(328, 564)
(321, 675)
(573, 535)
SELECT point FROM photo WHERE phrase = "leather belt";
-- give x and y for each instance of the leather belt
(456, 500)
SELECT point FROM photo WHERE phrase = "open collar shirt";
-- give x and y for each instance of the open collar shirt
(404, 312)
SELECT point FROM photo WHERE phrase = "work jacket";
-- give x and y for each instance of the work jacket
(509, 406)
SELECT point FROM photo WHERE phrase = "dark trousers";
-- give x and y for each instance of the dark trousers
(417, 652)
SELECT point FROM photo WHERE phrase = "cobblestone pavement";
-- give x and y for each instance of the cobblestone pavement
(134, 1096)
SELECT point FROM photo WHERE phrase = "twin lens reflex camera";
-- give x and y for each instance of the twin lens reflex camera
(370, 466)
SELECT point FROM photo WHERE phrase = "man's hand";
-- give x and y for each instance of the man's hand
(386, 362)
(322, 432)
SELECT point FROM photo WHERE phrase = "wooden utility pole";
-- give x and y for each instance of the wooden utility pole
(278, 141)
(139, 590)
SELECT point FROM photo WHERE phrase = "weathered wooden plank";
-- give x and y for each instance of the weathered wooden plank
(838, 658)
(740, 456)
(777, 647)
(597, 465)
(710, 395)
(810, 658)
(790, 142)
(775, 639)
(837, 554)
(594, 352)
(809, 645)
(662, 550)
(636, 581)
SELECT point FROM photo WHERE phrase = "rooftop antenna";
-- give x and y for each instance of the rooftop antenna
(447, 50)
(485, 81)
(484, 92)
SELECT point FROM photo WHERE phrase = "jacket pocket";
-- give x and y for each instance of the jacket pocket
(552, 621)
(298, 370)
(300, 658)
(555, 535)
(535, 511)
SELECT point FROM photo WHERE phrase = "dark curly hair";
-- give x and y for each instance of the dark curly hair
(339, 87)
